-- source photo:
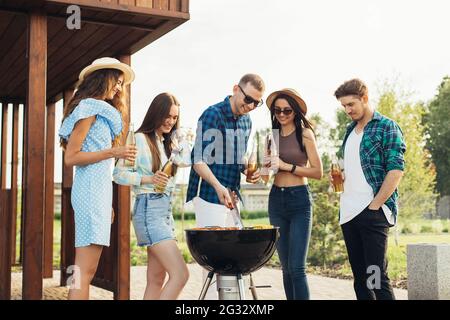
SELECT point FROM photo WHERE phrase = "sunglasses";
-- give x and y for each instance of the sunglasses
(248, 99)
(285, 111)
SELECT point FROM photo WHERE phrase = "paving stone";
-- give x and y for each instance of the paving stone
(321, 288)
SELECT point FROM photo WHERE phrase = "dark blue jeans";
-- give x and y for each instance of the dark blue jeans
(290, 209)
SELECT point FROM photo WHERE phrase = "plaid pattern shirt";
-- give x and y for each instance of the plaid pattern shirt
(381, 150)
(216, 151)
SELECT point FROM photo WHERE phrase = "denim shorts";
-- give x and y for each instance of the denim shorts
(152, 219)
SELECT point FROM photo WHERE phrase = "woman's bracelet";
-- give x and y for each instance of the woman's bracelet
(293, 168)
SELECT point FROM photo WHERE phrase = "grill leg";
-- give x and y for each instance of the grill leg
(241, 286)
(252, 288)
(206, 285)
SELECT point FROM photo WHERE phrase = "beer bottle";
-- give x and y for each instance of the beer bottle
(131, 141)
(252, 165)
(265, 173)
(336, 174)
(169, 168)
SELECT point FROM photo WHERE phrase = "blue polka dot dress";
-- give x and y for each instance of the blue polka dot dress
(92, 184)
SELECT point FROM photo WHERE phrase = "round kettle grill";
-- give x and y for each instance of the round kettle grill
(231, 253)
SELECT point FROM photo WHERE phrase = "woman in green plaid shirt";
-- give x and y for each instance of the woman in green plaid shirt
(372, 153)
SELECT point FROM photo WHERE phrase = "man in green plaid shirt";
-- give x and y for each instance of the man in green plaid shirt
(373, 164)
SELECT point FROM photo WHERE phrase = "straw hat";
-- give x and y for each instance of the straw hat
(109, 63)
(289, 92)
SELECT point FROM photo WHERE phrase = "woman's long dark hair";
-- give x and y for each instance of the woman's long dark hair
(157, 113)
(300, 119)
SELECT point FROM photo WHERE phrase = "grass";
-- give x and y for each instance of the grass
(416, 225)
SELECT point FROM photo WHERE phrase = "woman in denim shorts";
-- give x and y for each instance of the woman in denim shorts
(152, 215)
(290, 205)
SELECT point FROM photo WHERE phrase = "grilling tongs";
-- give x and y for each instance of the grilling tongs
(235, 214)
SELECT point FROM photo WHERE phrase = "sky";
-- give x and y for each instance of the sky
(311, 46)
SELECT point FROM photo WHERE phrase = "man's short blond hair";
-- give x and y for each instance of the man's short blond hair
(255, 80)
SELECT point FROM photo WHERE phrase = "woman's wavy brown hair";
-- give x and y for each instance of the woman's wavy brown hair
(97, 85)
(157, 113)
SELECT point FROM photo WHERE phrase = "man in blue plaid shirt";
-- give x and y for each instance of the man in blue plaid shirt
(222, 136)
(373, 163)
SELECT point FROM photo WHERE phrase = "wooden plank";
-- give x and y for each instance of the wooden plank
(15, 80)
(164, 5)
(15, 76)
(122, 220)
(5, 245)
(61, 47)
(82, 45)
(157, 4)
(17, 26)
(175, 5)
(127, 3)
(185, 6)
(67, 214)
(90, 54)
(5, 20)
(24, 175)
(125, 20)
(144, 3)
(59, 37)
(10, 35)
(4, 146)
(119, 8)
(35, 184)
(49, 214)
(14, 171)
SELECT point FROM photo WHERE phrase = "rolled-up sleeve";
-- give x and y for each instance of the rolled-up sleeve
(183, 158)
(394, 147)
(125, 175)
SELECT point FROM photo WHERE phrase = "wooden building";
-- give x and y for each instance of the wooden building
(40, 59)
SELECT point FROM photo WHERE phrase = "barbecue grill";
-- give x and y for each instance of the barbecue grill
(231, 253)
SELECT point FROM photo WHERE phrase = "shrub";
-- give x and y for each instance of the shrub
(254, 214)
(406, 230)
(187, 215)
(426, 229)
(326, 245)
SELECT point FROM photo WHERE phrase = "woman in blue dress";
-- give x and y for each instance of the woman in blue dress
(90, 134)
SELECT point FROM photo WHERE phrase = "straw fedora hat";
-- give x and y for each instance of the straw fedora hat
(289, 92)
(109, 63)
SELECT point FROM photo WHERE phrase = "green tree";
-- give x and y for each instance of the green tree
(326, 247)
(416, 195)
(337, 133)
(437, 124)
